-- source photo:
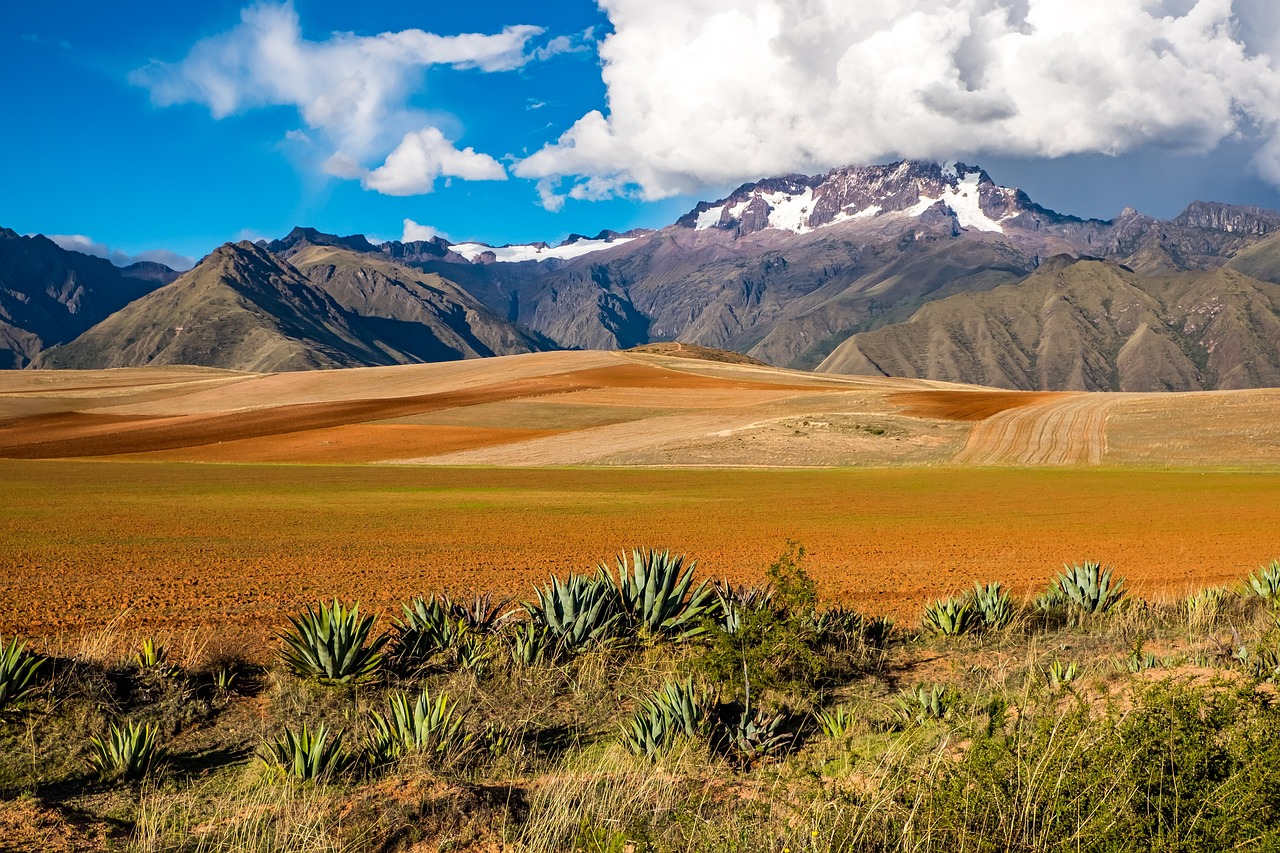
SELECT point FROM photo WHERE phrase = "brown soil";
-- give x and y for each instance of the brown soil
(679, 350)
(967, 405)
(241, 547)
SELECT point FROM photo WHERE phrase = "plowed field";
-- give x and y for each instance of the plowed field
(183, 545)
(930, 486)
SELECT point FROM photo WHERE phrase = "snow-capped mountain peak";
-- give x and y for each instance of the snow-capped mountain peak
(801, 204)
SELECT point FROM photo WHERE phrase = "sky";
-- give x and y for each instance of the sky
(158, 130)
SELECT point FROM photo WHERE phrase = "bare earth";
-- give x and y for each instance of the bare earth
(596, 408)
(932, 485)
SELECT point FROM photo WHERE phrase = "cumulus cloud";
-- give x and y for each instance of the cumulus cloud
(353, 90)
(421, 157)
(710, 92)
(89, 246)
(413, 232)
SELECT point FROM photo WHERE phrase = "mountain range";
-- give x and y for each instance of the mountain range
(908, 269)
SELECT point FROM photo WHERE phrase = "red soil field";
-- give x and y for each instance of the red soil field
(231, 550)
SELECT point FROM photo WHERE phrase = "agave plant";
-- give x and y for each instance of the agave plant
(836, 626)
(429, 627)
(753, 735)
(674, 710)
(734, 601)
(1059, 675)
(653, 590)
(480, 613)
(18, 669)
(430, 726)
(332, 644)
(951, 617)
(579, 613)
(306, 754)
(1265, 582)
(153, 657)
(1087, 589)
(994, 606)
(127, 752)
(918, 705)
(528, 643)
(837, 722)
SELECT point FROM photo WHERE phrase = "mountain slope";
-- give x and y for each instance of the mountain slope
(240, 308)
(49, 295)
(1089, 326)
(425, 317)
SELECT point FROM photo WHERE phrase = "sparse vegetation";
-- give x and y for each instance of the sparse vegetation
(18, 670)
(788, 725)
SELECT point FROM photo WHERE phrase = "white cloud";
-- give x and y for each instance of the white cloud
(414, 232)
(89, 246)
(354, 90)
(421, 157)
(710, 92)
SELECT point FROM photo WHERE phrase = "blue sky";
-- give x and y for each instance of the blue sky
(143, 126)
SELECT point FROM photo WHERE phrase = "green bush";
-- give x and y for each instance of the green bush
(329, 644)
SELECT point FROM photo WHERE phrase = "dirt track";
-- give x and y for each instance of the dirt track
(1067, 429)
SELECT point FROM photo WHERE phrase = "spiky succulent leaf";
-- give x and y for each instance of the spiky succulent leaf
(993, 604)
(951, 616)
(480, 613)
(579, 613)
(1265, 582)
(920, 704)
(305, 753)
(127, 752)
(1087, 589)
(329, 644)
(18, 669)
(429, 628)
(653, 591)
(732, 602)
(430, 726)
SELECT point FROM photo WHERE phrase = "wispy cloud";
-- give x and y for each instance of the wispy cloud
(353, 91)
(704, 93)
(89, 246)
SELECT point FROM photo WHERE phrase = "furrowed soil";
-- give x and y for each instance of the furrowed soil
(176, 546)
(902, 490)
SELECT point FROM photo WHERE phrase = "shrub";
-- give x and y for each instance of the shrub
(18, 669)
(306, 754)
(329, 644)
(431, 727)
(129, 752)
(654, 595)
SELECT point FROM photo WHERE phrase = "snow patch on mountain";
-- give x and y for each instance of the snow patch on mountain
(536, 251)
